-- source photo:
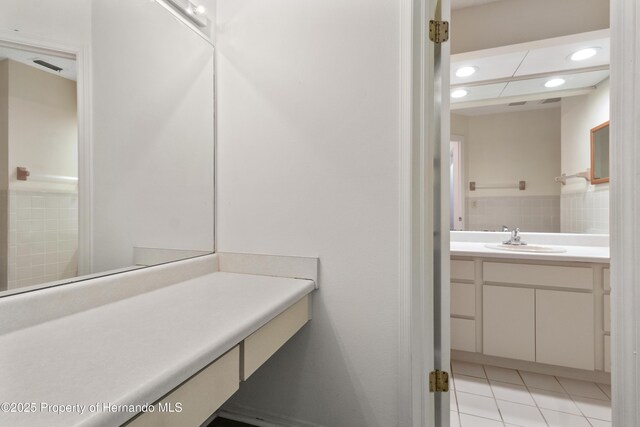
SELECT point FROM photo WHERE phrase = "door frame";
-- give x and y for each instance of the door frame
(82, 54)
(625, 211)
(416, 326)
(422, 348)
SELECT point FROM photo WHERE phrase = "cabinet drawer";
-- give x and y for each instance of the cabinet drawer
(462, 270)
(508, 326)
(564, 329)
(540, 275)
(463, 334)
(607, 313)
(463, 299)
(200, 396)
(264, 342)
(606, 279)
(607, 353)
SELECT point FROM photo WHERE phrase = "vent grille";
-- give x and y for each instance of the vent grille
(47, 65)
(515, 104)
(551, 100)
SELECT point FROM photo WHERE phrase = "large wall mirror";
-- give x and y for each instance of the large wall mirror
(106, 138)
(521, 125)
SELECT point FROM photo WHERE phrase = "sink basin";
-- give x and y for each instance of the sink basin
(526, 248)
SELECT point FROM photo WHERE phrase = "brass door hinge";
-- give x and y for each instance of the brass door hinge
(438, 381)
(438, 31)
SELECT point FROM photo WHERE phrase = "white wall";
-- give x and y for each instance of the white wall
(59, 21)
(584, 207)
(308, 129)
(579, 115)
(459, 125)
(510, 147)
(508, 22)
(153, 133)
(43, 127)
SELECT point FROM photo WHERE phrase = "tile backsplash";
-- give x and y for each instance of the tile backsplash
(43, 237)
(586, 212)
(530, 213)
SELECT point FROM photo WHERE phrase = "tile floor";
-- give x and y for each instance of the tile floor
(487, 396)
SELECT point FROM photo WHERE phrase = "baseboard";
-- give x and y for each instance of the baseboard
(260, 418)
(540, 368)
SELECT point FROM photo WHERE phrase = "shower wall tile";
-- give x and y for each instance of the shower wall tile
(532, 213)
(43, 237)
(585, 212)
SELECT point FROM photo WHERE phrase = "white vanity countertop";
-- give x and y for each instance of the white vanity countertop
(135, 350)
(594, 254)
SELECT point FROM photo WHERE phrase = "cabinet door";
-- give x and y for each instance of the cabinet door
(565, 329)
(463, 299)
(463, 334)
(509, 322)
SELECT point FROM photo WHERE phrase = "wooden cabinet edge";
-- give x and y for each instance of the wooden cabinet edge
(258, 347)
(201, 395)
(193, 401)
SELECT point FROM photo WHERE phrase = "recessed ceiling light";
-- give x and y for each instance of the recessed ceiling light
(459, 93)
(583, 54)
(200, 9)
(466, 71)
(554, 83)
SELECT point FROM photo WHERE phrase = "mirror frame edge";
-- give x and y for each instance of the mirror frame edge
(592, 176)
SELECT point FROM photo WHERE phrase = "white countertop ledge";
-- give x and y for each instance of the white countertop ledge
(591, 254)
(134, 351)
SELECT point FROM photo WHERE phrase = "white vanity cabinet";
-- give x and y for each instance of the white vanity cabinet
(191, 403)
(606, 280)
(508, 324)
(463, 305)
(554, 313)
(565, 329)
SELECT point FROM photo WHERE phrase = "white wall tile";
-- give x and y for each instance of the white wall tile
(43, 237)
(585, 212)
(529, 213)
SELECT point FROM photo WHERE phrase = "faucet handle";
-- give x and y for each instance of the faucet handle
(505, 228)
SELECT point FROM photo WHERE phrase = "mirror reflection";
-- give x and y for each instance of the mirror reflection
(600, 154)
(40, 169)
(106, 139)
(521, 137)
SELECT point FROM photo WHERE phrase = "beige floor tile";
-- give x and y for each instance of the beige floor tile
(512, 393)
(541, 381)
(503, 375)
(473, 421)
(582, 389)
(521, 415)
(469, 369)
(599, 423)
(562, 419)
(454, 421)
(473, 385)
(560, 402)
(594, 408)
(481, 406)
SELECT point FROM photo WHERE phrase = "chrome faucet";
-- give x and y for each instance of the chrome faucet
(515, 238)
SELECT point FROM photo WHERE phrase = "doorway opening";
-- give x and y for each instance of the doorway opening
(43, 105)
(530, 323)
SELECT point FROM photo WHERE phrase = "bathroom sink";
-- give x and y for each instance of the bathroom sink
(526, 248)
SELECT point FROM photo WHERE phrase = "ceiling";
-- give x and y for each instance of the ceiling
(519, 72)
(26, 57)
